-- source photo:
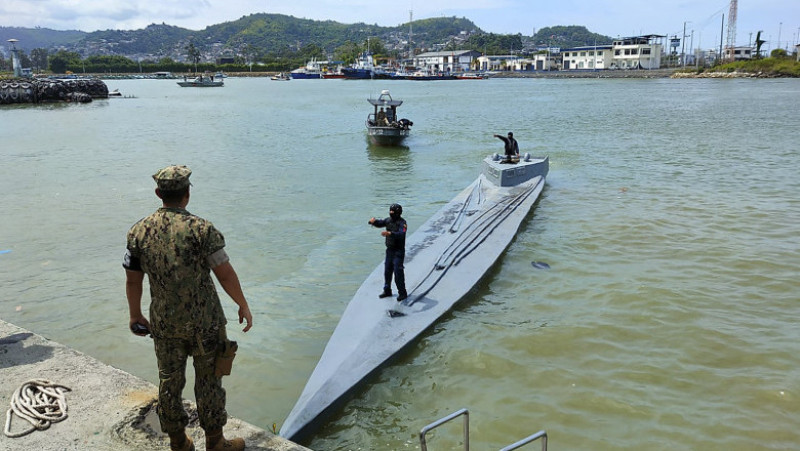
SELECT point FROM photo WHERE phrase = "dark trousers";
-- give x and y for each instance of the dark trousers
(394, 265)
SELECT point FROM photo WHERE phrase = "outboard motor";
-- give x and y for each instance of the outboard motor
(405, 123)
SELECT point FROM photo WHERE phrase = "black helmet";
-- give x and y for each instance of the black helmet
(396, 208)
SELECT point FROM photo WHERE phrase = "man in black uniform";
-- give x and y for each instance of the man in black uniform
(395, 234)
(511, 147)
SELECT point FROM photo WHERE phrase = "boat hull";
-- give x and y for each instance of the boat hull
(197, 84)
(357, 74)
(305, 76)
(445, 258)
(387, 136)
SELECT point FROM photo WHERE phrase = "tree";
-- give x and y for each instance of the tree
(193, 54)
(348, 52)
(310, 51)
(778, 54)
(64, 59)
(250, 53)
(375, 46)
(39, 59)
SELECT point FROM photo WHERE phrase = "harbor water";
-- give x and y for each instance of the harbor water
(668, 317)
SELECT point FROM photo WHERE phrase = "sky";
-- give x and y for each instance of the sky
(777, 19)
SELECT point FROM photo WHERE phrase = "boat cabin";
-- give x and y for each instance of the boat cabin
(385, 110)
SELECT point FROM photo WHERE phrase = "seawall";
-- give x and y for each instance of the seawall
(108, 409)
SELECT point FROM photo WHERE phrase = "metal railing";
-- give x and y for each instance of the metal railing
(424, 445)
(539, 435)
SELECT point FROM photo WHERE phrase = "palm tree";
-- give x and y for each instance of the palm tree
(193, 54)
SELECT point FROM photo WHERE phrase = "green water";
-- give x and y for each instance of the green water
(668, 317)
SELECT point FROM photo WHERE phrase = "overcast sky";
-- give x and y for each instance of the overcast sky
(615, 18)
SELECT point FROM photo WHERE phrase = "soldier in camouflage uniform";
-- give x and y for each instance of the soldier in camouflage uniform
(178, 251)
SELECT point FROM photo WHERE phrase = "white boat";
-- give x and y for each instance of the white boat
(445, 258)
(280, 77)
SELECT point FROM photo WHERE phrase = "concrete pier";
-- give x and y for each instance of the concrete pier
(108, 409)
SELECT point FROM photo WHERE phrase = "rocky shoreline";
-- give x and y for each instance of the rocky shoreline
(734, 74)
(654, 73)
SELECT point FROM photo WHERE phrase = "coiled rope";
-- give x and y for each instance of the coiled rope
(38, 401)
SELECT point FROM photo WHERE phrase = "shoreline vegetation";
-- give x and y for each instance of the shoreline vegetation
(773, 67)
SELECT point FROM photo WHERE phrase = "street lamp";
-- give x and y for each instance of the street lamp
(16, 63)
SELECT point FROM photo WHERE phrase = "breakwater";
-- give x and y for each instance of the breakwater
(43, 90)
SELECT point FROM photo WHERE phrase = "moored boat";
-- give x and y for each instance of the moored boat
(311, 70)
(280, 77)
(383, 126)
(201, 82)
(362, 69)
(445, 258)
(425, 75)
(333, 75)
(471, 76)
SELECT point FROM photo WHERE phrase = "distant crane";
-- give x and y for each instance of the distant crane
(731, 42)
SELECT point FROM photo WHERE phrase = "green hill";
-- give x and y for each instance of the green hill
(569, 36)
(33, 38)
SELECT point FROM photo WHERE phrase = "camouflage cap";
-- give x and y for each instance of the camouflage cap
(172, 178)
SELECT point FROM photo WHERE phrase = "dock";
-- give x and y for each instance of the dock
(107, 408)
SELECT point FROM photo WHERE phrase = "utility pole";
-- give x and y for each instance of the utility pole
(721, 31)
(410, 34)
(683, 46)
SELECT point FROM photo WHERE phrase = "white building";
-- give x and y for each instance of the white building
(587, 58)
(738, 53)
(452, 61)
(638, 52)
(497, 62)
(543, 61)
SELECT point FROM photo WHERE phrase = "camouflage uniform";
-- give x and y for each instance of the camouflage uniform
(177, 251)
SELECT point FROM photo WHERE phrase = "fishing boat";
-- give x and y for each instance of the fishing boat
(333, 71)
(445, 257)
(383, 126)
(333, 75)
(311, 70)
(362, 69)
(201, 82)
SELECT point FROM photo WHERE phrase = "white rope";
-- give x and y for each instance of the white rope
(39, 402)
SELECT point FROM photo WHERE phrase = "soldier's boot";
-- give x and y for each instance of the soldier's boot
(179, 441)
(215, 441)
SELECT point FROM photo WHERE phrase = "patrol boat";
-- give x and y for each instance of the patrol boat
(445, 258)
(386, 130)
